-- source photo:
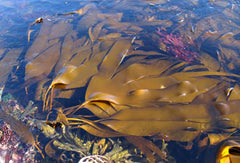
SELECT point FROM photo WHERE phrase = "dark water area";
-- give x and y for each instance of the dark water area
(120, 81)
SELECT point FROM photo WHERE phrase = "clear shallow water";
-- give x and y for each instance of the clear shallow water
(199, 34)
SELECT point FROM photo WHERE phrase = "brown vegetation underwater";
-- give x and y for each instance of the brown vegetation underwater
(93, 71)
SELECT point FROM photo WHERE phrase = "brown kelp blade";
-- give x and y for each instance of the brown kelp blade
(100, 132)
(41, 66)
(229, 113)
(216, 92)
(93, 128)
(101, 109)
(140, 93)
(167, 120)
(7, 62)
(178, 131)
(73, 77)
(114, 57)
(183, 87)
(177, 112)
(60, 82)
(100, 99)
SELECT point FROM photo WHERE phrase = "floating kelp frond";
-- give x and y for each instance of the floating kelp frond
(165, 120)
(69, 77)
(8, 59)
(229, 113)
(38, 67)
(135, 100)
(184, 87)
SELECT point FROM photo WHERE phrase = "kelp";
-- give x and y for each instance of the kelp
(166, 120)
(127, 105)
(229, 113)
(8, 60)
(68, 77)
(167, 126)
(134, 85)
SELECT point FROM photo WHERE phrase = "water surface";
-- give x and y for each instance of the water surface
(101, 61)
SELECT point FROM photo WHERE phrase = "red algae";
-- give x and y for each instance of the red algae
(16, 140)
(11, 147)
(177, 46)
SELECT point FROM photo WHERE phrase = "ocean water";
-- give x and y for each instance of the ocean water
(90, 55)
